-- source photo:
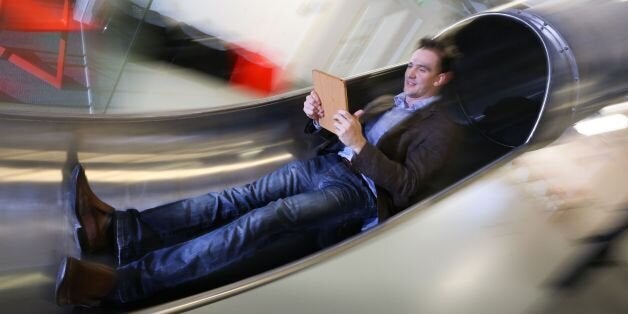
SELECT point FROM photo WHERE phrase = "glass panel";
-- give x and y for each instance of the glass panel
(108, 46)
(60, 55)
(115, 56)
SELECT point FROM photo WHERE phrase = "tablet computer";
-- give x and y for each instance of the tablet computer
(332, 92)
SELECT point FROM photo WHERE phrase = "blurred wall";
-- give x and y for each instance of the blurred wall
(343, 37)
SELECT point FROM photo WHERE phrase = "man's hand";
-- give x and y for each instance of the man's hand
(349, 129)
(312, 107)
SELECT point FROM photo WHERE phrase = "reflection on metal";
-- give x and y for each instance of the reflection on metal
(145, 161)
(574, 89)
(616, 108)
(511, 5)
(603, 124)
(136, 162)
(112, 175)
(10, 282)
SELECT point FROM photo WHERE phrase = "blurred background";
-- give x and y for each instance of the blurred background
(553, 212)
(138, 56)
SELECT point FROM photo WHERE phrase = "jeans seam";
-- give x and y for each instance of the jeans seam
(121, 248)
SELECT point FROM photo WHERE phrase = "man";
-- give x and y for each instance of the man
(382, 157)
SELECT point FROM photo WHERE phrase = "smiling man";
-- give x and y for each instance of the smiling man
(424, 75)
(398, 143)
(381, 160)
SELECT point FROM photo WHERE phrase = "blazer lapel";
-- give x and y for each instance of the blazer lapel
(408, 123)
(377, 107)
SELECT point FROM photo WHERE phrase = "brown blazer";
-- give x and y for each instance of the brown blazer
(406, 158)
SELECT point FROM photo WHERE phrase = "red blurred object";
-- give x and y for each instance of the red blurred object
(55, 79)
(37, 16)
(255, 71)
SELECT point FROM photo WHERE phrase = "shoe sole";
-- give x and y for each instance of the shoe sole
(61, 280)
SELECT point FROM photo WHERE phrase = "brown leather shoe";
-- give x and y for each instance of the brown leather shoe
(83, 283)
(93, 214)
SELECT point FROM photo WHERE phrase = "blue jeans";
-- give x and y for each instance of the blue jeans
(193, 240)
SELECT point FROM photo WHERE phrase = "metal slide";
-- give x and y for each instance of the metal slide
(131, 163)
(543, 60)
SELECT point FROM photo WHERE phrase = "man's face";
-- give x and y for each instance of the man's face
(422, 77)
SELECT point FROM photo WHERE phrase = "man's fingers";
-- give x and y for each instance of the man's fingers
(340, 117)
(343, 115)
(312, 106)
(313, 99)
(350, 116)
(315, 96)
(339, 127)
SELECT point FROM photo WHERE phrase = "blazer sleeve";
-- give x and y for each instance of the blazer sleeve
(310, 128)
(403, 177)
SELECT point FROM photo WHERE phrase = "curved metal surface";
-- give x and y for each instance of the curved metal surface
(584, 77)
(145, 161)
(581, 77)
(595, 35)
(574, 89)
(486, 247)
(560, 94)
(136, 162)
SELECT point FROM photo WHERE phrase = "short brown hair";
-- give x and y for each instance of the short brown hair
(444, 50)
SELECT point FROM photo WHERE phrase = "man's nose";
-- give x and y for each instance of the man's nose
(411, 73)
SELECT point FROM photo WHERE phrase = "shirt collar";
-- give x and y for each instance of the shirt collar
(400, 102)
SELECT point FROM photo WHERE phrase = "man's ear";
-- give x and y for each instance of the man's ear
(443, 78)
